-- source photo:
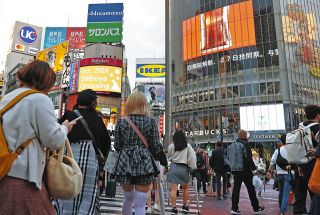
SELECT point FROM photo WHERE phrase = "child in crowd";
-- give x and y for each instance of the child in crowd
(257, 182)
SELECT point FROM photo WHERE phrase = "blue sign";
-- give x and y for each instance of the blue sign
(54, 36)
(28, 34)
(105, 12)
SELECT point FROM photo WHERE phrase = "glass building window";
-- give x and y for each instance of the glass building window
(270, 88)
(263, 89)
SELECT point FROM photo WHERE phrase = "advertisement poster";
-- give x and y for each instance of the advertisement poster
(100, 78)
(76, 37)
(104, 23)
(54, 36)
(155, 94)
(55, 56)
(218, 30)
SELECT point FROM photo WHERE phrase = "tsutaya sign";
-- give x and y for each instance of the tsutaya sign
(204, 132)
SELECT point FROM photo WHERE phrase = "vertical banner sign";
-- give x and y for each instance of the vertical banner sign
(104, 23)
(161, 124)
(76, 37)
(74, 71)
(66, 71)
(54, 36)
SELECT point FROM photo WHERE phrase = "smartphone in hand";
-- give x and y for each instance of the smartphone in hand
(76, 119)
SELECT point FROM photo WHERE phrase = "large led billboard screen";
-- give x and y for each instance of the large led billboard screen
(100, 78)
(262, 117)
(225, 28)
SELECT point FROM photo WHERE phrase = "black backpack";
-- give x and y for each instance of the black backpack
(200, 160)
(281, 162)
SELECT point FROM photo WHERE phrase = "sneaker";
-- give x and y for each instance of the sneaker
(149, 211)
(219, 198)
(235, 212)
(260, 209)
(174, 211)
(185, 208)
(224, 197)
(156, 209)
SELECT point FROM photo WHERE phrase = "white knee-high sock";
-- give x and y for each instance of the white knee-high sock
(140, 200)
(128, 202)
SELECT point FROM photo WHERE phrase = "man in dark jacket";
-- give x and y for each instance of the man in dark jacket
(245, 176)
(217, 164)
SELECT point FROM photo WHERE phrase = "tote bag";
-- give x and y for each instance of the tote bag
(314, 181)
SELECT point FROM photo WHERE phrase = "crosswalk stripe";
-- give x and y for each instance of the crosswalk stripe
(114, 205)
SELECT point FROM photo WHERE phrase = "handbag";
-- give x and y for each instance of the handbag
(111, 162)
(101, 159)
(314, 181)
(63, 175)
(138, 132)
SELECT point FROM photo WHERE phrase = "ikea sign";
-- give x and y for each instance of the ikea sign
(151, 70)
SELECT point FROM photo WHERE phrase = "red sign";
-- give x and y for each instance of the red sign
(101, 62)
(161, 125)
(76, 37)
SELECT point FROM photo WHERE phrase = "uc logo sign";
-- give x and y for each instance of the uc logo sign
(28, 35)
(151, 70)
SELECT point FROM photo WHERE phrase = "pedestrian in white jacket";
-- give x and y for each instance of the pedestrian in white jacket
(183, 159)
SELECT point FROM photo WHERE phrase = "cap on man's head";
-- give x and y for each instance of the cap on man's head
(86, 97)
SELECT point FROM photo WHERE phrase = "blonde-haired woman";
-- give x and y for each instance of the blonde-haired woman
(136, 168)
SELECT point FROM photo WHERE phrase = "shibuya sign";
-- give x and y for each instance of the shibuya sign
(204, 132)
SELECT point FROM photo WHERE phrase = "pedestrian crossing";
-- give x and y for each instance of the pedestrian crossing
(114, 205)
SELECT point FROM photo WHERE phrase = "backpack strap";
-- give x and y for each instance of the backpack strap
(308, 126)
(16, 100)
(13, 102)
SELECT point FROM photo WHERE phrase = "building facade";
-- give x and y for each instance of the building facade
(250, 64)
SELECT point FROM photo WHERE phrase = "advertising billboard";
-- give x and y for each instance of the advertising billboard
(104, 23)
(55, 56)
(225, 28)
(54, 36)
(262, 117)
(300, 26)
(76, 37)
(155, 94)
(100, 78)
(26, 38)
(151, 70)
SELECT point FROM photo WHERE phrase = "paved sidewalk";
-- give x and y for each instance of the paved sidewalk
(269, 199)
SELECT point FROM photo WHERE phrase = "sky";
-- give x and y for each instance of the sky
(143, 30)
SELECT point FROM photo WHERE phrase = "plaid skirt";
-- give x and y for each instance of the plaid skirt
(136, 166)
(87, 202)
(18, 196)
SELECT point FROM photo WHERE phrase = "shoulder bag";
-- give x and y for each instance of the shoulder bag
(101, 159)
(63, 176)
(138, 132)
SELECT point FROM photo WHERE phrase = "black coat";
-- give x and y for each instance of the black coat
(217, 160)
(96, 126)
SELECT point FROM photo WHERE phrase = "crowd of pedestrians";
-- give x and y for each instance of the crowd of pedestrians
(139, 150)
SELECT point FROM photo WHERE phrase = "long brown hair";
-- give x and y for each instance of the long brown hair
(38, 74)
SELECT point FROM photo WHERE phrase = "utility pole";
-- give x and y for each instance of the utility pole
(168, 76)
